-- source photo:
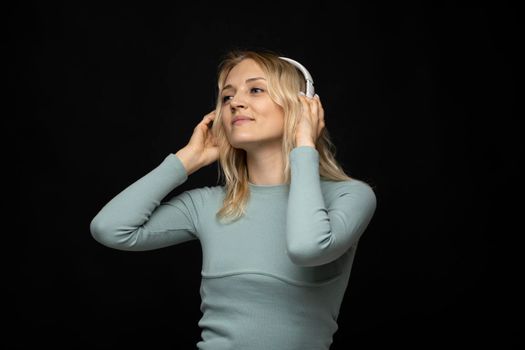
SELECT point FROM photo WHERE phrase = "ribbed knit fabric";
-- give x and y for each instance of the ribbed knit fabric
(274, 279)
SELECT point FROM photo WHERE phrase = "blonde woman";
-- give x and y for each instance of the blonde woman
(279, 235)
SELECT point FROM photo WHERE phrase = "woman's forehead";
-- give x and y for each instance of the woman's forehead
(246, 69)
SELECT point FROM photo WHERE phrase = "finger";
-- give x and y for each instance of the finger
(305, 104)
(211, 116)
(319, 107)
(314, 111)
(305, 98)
(318, 99)
(207, 121)
(321, 126)
(314, 107)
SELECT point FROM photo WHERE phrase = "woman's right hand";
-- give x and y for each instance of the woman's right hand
(202, 149)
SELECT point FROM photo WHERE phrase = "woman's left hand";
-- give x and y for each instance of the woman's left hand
(312, 121)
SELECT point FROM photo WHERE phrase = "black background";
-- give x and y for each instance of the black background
(419, 100)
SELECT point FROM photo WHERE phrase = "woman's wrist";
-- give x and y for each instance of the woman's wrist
(188, 160)
(304, 142)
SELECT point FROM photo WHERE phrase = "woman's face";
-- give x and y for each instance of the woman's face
(245, 94)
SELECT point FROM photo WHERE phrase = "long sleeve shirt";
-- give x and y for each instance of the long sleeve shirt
(276, 278)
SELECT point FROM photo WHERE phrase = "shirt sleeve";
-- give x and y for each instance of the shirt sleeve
(136, 219)
(317, 234)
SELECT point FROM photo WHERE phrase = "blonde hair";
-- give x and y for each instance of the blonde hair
(284, 82)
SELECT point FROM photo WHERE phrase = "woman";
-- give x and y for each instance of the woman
(279, 237)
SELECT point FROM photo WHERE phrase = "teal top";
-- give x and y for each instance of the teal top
(274, 279)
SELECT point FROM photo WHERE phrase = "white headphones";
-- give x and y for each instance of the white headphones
(310, 92)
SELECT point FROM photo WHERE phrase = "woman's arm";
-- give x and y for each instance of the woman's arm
(316, 234)
(136, 219)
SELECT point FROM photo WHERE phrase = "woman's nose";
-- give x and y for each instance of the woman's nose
(236, 102)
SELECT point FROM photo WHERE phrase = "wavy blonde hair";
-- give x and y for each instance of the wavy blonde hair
(284, 81)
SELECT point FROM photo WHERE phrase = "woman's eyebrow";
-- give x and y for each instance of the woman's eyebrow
(247, 81)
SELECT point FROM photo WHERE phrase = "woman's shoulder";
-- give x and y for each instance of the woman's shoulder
(353, 185)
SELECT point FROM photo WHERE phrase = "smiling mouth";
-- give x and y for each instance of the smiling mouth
(242, 121)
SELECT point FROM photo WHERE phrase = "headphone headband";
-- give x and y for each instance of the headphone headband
(310, 91)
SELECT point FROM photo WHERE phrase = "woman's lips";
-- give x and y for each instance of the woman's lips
(241, 121)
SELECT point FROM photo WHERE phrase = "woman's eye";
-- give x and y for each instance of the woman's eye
(254, 90)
